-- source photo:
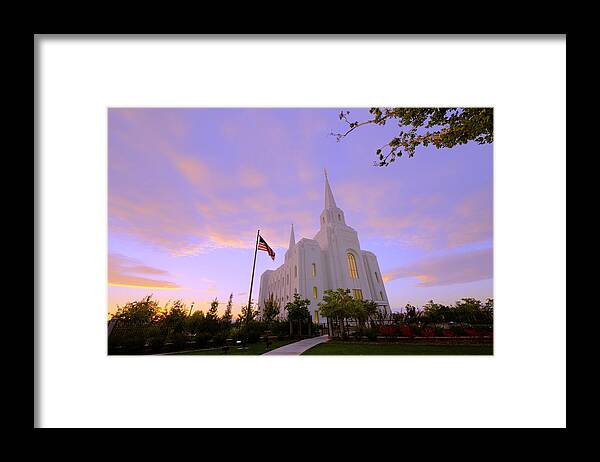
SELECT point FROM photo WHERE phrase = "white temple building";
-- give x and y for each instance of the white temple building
(332, 259)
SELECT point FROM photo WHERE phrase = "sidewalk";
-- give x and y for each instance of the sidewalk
(296, 348)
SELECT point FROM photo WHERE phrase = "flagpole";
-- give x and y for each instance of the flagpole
(252, 279)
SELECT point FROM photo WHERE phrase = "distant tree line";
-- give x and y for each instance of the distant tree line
(347, 315)
(143, 326)
(466, 310)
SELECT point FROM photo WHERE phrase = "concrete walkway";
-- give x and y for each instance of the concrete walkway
(299, 347)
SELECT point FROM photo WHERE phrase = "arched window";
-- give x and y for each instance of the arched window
(295, 271)
(381, 293)
(339, 217)
(314, 270)
(315, 293)
(352, 271)
(376, 276)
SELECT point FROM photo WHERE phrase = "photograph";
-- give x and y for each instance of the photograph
(245, 232)
(300, 231)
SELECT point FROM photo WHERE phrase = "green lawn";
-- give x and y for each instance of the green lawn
(254, 349)
(339, 348)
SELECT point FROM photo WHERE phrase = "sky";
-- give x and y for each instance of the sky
(189, 187)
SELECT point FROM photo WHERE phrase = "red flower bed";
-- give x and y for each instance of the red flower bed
(388, 331)
(448, 333)
(428, 332)
(472, 332)
(405, 331)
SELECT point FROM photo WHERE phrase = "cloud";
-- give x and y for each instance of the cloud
(170, 188)
(251, 178)
(429, 220)
(181, 198)
(124, 272)
(456, 268)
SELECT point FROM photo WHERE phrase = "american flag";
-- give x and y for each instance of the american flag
(262, 245)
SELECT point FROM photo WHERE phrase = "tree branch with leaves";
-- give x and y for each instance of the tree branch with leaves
(439, 127)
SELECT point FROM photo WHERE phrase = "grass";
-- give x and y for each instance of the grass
(339, 348)
(253, 349)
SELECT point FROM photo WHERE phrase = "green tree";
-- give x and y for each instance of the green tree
(411, 314)
(370, 309)
(488, 308)
(338, 305)
(197, 323)
(271, 310)
(176, 319)
(297, 311)
(437, 313)
(247, 314)
(440, 127)
(212, 317)
(213, 312)
(471, 310)
(136, 322)
(227, 316)
(139, 312)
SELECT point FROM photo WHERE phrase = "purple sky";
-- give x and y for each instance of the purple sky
(188, 189)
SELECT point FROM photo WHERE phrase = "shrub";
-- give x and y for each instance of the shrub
(448, 333)
(156, 343)
(471, 332)
(280, 328)
(134, 341)
(219, 339)
(371, 334)
(253, 337)
(201, 339)
(179, 341)
(250, 333)
(417, 331)
(439, 332)
(458, 330)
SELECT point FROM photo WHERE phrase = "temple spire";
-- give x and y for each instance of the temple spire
(292, 238)
(329, 200)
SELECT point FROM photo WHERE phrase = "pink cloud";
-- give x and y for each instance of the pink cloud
(446, 270)
(123, 271)
(426, 220)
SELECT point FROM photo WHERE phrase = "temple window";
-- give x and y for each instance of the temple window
(352, 270)
(357, 294)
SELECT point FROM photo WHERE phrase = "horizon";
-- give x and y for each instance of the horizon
(188, 189)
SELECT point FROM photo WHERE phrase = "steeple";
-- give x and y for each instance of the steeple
(292, 238)
(329, 200)
(331, 215)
